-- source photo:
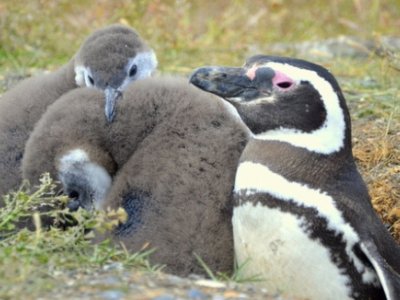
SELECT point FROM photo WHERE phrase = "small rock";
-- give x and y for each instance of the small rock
(113, 266)
(112, 295)
(210, 283)
(195, 294)
(107, 280)
(165, 297)
(234, 294)
(175, 280)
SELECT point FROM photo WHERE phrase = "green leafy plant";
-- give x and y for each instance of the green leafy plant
(32, 257)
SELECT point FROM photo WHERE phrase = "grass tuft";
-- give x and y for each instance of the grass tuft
(237, 276)
(34, 258)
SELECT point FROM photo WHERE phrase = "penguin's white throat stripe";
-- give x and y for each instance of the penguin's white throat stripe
(253, 178)
(327, 139)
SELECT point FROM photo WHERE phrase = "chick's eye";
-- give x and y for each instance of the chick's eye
(90, 80)
(132, 71)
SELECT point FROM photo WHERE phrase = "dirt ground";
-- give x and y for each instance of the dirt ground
(114, 284)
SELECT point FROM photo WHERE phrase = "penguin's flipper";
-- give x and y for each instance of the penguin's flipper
(135, 202)
(388, 278)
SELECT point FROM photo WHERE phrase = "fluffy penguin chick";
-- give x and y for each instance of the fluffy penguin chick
(302, 215)
(175, 149)
(109, 59)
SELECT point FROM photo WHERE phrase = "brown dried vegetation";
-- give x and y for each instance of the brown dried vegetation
(377, 151)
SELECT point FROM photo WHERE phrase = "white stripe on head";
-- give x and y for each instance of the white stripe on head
(327, 139)
(73, 157)
(77, 160)
(146, 63)
(82, 75)
(253, 178)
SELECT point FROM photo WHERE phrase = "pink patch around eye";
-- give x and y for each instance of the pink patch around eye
(282, 81)
(251, 73)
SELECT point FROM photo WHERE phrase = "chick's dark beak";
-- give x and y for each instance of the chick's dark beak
(74, 204)
(111, 97)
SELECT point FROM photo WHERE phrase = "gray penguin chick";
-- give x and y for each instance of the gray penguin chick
(169, 160)
(109, 59)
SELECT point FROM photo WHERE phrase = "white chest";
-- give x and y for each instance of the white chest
(288, 261)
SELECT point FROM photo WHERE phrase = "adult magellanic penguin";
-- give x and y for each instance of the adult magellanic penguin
(302, 215)
(109, 59)
(169, 160)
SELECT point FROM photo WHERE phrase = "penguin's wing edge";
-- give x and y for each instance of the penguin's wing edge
(388, 278)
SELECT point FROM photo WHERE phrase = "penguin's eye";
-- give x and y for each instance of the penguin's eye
(90, 80)
(282, 81)
(285, 84)
(133, 71)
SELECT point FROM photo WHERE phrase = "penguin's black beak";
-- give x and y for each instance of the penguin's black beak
(225, 82)
(111, 97)
(74, 201)
(234, 84)
(74, 204)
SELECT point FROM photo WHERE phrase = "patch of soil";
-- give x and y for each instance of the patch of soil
(122, 284)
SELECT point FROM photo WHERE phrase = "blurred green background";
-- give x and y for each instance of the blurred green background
(185, 34)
